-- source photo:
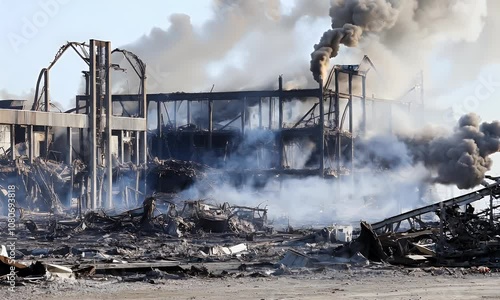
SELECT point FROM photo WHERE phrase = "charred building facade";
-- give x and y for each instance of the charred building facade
(100, 151)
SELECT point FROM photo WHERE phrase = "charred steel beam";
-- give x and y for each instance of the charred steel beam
(305, 115)
(493, 188)
(237, 95)
(230, 122)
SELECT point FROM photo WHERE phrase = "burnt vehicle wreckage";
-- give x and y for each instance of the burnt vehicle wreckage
(99, 194)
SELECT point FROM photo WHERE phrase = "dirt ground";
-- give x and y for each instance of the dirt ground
(388, 284)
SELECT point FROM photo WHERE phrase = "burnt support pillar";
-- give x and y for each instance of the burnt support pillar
(69, 142)
(210, 122)
(121, 147)
(175, 115)
(363, 104)
(159, 129)
(31, 143)
(338, 151)
(351, 123)
(47, 109)
(188, 112)
(81, 141)
(280, 103)
(137, 162)
(270, 113)
(330, 108)
(243, 115)
(144, 159)
(144, 133)
(260, 112)
(93, 125)
(492, 210)
(321, 130)
(108, 134)
(69, 161)
(12, 142)
(281, 146)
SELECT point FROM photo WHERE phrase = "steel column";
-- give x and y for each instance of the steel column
(363, 104)
(47, 109)
(260, 112)
(321, 130)
(137, 163)
(281, 146)
(144, 133)
(159, 129)
(13, 142)
(270, 113)
(93, 126)
(121, 151)
(351, 123)
(108, 133)
(210, 123)
(31, 146)
(243, 115)
(338, 151)
(69, 161)
(175, 115)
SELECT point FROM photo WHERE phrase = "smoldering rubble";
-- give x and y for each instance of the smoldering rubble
(171, 238)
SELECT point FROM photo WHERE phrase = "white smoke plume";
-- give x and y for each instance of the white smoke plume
(240, 47)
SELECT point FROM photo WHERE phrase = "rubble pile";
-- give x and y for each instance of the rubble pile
(170, 237)
(461, 238)
(160, 240)
(42, 184)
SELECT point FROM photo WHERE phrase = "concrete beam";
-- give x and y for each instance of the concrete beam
(132, 124)
(38, 118)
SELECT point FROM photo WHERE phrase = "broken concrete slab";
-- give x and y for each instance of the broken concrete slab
(295, 259)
